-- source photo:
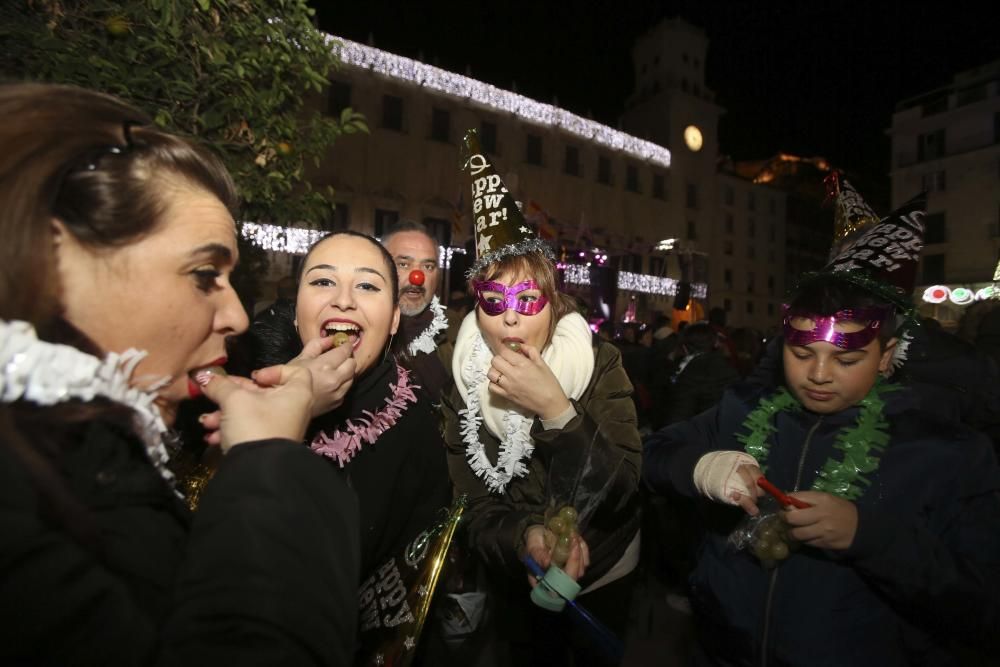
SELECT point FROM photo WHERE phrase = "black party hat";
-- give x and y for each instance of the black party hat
(852, 214)
(500, 228)
(883, 259)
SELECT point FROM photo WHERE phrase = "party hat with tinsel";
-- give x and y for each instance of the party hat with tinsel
(500, 229)
(883, 258)
(852, 214)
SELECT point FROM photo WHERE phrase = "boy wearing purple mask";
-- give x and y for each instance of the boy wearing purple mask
(893, 557)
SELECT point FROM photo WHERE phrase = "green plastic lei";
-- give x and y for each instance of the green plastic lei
(862, 444)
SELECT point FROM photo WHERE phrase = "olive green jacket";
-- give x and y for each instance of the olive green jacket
(496, 522)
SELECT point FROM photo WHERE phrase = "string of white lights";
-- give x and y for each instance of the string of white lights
(296, 240)
(578, 274)
(293, 240)
(435, 78)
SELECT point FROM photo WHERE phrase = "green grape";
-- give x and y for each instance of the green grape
(568, 514)
(779, 551)
(761, 549)
(768, 533)
(564, 541)
(557, 525)
(560, 555)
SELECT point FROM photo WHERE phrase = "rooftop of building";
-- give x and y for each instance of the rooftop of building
(461, 87)
(965, 80)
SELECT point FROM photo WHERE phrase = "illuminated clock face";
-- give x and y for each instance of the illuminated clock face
(692, 137)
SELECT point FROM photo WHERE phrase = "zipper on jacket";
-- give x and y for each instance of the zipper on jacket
(774, 573)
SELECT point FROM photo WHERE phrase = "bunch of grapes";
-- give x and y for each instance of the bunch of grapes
(771, 542)
(559, 536)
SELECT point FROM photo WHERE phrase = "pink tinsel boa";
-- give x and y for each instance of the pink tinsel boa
(342, 445)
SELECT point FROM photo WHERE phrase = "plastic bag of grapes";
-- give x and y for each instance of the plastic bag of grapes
(766, 535)
(578, 482)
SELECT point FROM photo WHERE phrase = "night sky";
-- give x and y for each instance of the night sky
(806, 77)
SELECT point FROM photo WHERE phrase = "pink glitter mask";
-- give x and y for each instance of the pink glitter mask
(495, 298)
(823, 327)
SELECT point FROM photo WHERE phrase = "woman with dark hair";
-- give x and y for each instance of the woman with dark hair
(540, 406)
(115, 305)
(380, 428)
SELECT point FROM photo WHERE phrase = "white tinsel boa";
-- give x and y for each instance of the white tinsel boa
(425, 341)
(570, 356)
(47, 373)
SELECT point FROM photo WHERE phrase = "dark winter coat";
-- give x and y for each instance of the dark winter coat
(922, 572)
(698, 386)
(264, 574)
(606, 417)
(433, 370)
(401, 480)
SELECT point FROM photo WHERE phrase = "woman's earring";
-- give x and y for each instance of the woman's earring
(388, 347)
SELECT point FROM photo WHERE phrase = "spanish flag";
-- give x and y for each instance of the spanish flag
(536, 215)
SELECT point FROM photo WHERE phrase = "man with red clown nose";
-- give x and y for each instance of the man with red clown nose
(423, 324)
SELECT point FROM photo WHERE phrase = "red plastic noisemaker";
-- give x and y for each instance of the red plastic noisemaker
(780, 495)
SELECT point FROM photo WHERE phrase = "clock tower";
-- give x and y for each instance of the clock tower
(673, 107)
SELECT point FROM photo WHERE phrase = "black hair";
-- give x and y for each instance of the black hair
(826, 297)
(408, 226)
(698, 338)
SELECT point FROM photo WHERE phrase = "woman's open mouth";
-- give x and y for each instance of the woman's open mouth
(342, 331)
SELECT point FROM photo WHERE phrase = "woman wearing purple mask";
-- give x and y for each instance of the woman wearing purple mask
(537, 400)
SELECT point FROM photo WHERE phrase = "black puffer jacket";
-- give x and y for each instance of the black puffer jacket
(922, 573)
(698, 386)
(265, 573)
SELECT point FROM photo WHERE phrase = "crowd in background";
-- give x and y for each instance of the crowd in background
(677, 374)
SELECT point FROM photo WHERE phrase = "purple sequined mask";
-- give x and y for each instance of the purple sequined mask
(495, 298)
(823, 326)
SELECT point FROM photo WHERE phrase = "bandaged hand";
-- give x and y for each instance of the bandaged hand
(729, 477)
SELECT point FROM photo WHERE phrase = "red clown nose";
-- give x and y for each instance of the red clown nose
(417, 277)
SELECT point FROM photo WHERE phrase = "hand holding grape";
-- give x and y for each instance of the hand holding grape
(558, 543)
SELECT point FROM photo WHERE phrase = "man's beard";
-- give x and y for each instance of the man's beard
(406, 307)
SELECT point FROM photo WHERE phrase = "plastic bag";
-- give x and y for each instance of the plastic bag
(574, 495)
(766, 535)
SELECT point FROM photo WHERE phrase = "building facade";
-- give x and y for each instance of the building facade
(636, 213)
(946, 142)
(748, 276)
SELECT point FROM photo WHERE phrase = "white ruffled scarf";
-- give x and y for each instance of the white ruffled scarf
(48, 373)
(570, 356)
